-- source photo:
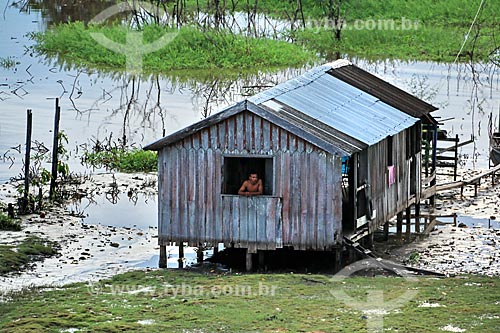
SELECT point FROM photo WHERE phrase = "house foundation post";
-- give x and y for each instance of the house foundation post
(399, 226)
(181, 255)
(408, 224)
(386, 231)
(249, 261)
(163, 257)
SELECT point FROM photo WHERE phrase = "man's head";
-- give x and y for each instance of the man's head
(253, 178)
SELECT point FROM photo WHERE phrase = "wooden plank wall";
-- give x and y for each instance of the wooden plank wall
(251, 222)
(306, 178)
(389, 200)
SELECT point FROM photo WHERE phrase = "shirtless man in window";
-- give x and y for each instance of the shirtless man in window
(251, 186)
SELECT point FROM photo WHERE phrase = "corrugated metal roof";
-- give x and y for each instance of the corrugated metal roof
(330, 112)
(338, 105)
(385, 91)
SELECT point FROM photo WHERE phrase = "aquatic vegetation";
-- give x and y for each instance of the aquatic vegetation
(191, 49)
(116, 159)
(8, 62)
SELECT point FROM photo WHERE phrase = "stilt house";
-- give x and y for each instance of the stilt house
(337, 148)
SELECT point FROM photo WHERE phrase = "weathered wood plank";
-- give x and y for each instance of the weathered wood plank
(249, 132)
(321, 199)
(216, 192)
(240, 132)
(284, 190)
(176, 223)
(278, 223)
(304, 201)
(252, 208)
(331, 187)
(192, 220)
(202, 192)
(235, 220)
(209, 199)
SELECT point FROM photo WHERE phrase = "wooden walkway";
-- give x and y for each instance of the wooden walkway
(476, 181)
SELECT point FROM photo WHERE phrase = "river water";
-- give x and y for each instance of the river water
(97, 106)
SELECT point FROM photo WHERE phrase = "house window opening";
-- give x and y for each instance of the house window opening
(237, 169)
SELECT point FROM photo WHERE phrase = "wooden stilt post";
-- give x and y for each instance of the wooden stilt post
(408, 224)
(24, 208)
(386, 231)
(455, 163)
(261, 255)
(399, 226)
(181, 255)
(216, 249)
(417, 218)
(55, 149)
(199, 255)
(249, 261)
(337, 264)
(163, 257)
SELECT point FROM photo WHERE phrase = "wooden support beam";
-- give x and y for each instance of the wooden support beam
(261, 255)
(248, 261)
(181, 255)
(163, 257)
(417, 218)
(199, 254)
(408, 224)
(399, 226)
(386, 231)
(337, 257)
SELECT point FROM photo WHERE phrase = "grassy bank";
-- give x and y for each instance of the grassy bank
(191, 49)
(115, 159)
(434, 30)
(14, 258)
(177, 301)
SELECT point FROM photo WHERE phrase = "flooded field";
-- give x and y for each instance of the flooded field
(103, 106)
(98, 106)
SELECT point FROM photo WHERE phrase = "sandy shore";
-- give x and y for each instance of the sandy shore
(88, 251)
(91, 252)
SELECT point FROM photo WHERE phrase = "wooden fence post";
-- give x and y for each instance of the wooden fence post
(55, 148)
(29, 127)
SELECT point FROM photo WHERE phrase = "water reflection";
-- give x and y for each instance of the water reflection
(64, 11)
(138, 110)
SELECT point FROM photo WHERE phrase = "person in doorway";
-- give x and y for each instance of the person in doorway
(251, 186)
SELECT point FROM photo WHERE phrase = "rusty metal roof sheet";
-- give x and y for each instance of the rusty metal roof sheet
(385, 91)
(338, 105)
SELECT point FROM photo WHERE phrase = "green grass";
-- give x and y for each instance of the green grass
(14, 258)
(300, 303)
(8, 224)
(439, 35)
(427, 43)
(73, 45)
(135, 160)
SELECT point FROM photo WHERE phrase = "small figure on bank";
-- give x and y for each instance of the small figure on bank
(251, 186)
